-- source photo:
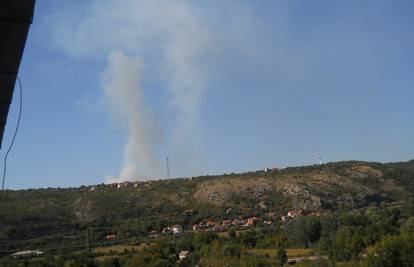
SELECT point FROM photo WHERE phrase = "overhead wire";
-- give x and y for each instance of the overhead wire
(14, 136)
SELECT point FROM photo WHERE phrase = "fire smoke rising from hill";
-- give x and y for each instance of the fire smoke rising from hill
(172, 33)
(120, 84)
(175, 40)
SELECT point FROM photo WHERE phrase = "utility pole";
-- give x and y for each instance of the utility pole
(168, 168)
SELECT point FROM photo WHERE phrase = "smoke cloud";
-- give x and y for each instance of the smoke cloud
(120, 84)
(177, 41)
(174, 36)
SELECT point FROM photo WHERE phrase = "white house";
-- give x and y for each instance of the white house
(294, 213)
(183, 254)
(28, 254)
(177, 229)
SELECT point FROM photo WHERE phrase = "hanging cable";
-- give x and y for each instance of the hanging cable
(14, 136)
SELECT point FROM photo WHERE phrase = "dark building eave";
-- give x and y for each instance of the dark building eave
(15, 19)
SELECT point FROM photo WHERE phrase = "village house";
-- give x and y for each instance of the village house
(28, 254)
(237, 222)
(183, 255)
(110, 237)
(294, 213)
(253, 220)
(315, 213)
(203, 226)
(200, 226)
(211, 223)
(176, 229)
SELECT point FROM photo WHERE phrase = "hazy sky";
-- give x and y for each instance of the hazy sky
(111, 88)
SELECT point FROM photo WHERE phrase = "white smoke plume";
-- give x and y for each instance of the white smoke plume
(120, 84)
(179, 37)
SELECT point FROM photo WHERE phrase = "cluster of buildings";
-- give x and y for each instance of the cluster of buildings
(170, 230)
(297, 213)
(273, 169)
(210, 225)
(125, 184)
(225, 224)
(175, 230)
(121, 185)
(238, 223)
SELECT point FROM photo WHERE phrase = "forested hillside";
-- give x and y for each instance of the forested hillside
(55, 220)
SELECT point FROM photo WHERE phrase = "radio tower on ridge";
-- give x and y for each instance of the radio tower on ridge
(168, 168)
(319, 156)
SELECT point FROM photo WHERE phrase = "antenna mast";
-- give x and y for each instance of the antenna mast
(319, 156)
(168, 168)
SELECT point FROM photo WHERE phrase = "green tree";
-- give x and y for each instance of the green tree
(232, 235)
(304, 230)
(249, 239)
(387, 253)
(281, 257)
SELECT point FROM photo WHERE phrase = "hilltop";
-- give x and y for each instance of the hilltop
(39, 217)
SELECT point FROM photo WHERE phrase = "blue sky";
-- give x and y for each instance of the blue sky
(223, 87)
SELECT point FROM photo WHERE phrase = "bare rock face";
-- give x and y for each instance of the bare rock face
(328, 189)
(300, 193)
(221, 191)
(319, 188)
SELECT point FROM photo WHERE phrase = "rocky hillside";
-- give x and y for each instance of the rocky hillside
(140, 206)
(331, 186)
